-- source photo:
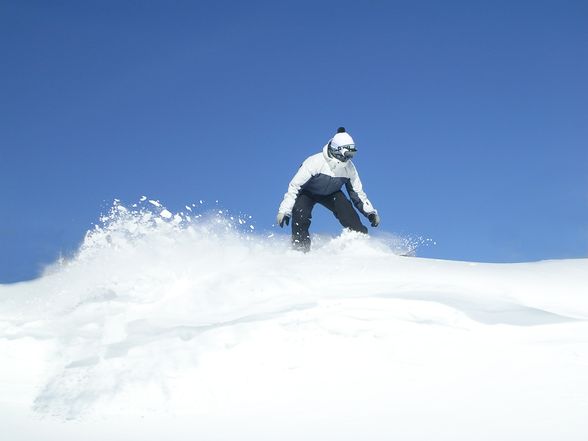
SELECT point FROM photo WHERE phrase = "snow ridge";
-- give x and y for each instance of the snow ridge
(156, 302)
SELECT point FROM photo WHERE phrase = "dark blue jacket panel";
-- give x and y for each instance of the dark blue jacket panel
(323, 185)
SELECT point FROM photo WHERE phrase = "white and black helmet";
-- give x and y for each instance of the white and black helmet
(342, 146)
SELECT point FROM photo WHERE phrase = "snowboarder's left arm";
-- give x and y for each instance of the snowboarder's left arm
(358, 197)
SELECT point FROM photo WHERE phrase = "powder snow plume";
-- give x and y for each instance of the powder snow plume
(145, 276)
(202, 318)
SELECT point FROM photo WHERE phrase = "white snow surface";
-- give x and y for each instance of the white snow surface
(169, 328)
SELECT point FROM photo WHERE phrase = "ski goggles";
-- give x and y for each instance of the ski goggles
(348, 150)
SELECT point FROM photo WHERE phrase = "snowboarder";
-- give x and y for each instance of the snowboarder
(319, 179)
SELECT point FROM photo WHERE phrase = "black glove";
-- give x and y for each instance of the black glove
(283, 219)
(374, 219)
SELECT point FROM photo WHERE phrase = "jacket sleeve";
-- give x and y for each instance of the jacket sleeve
(357, 195)
(301, 177)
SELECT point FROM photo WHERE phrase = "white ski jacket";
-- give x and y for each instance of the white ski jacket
(322, 175)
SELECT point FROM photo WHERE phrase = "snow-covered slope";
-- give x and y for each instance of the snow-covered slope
(173, 326)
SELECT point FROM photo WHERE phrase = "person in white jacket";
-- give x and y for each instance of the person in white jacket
(319, 180)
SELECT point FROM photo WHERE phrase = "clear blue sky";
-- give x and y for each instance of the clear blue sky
(471, 118)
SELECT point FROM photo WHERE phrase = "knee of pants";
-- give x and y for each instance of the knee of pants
(300, 219)
(300, 224)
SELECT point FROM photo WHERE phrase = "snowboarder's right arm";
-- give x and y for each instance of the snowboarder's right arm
(301, 177)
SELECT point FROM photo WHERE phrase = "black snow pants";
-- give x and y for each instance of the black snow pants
(302, 213)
